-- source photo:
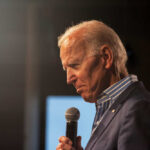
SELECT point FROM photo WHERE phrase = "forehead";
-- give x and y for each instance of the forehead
(72, 52)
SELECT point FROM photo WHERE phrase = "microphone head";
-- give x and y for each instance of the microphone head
(72, 114)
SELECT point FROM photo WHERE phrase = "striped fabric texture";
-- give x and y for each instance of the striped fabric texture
(108, 97)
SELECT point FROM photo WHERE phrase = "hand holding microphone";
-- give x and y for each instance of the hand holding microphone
(71, 141)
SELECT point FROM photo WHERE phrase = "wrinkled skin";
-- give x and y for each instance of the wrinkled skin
(66, 144)
(90, 75)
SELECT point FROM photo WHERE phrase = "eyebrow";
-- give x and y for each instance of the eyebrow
(70, 64)
(64, 68)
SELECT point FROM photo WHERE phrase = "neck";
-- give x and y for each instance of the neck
(114, 79)
(109, 80)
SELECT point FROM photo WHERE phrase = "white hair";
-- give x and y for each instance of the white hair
(95, 34)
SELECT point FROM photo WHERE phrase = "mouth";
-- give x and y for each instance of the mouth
(79, 89)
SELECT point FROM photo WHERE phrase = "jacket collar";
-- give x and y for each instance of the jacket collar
(113, 110)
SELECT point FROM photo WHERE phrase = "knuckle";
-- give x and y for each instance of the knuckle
(61, 139)
(70, 142)
(59, 146)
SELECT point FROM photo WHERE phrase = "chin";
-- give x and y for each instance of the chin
(88, 99)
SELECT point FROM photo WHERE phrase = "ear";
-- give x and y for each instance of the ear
(107, 55)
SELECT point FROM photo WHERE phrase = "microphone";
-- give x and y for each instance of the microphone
(72, 115)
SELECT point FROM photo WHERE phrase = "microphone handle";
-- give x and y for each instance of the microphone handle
(71, 132)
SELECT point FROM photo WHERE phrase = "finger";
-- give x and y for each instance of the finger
(67, 147)
(66, 140)
(70, 142)
(79, 147)
(59, 146)
(63, 146)
(79, 140)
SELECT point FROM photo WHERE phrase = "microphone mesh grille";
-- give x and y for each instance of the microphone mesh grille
(72, 114)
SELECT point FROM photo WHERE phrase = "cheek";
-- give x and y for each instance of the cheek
(89, 74)
(87, 80)
(95, 78)
(84, 76)
(92, 68)
(92, 75)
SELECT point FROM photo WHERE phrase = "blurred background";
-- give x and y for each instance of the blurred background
(30, 68)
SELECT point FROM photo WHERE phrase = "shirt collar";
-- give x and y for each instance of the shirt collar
(116, 89)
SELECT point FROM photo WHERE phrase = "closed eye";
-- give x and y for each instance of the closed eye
(73, 65)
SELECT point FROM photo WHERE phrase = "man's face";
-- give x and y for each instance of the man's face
(85, 73)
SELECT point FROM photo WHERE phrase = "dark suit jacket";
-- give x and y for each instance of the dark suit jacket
(126, 126)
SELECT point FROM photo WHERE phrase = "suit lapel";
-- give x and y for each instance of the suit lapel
(101, 127)
(113, 110)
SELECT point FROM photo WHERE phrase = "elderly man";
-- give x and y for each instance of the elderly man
(94, 59)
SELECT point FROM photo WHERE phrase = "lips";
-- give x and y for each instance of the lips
(78, 89)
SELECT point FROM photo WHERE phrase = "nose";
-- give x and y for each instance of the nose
(71, 77)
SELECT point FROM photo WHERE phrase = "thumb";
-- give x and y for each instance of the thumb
(79, 147)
